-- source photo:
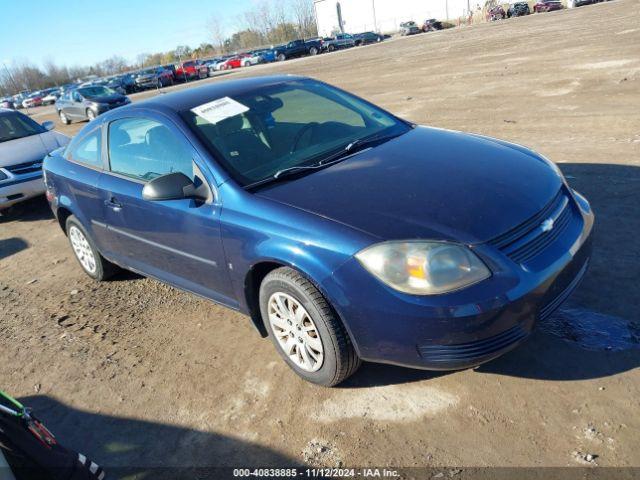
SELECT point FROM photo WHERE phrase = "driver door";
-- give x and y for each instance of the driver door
(176, 241)
(76, 105)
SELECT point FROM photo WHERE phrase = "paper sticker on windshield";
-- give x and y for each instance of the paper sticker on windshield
(218, 110)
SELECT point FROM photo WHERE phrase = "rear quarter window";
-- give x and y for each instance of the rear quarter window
(86, 150)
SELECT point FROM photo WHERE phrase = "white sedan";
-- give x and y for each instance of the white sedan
(23, 145)
(252, 59)
(50, 98)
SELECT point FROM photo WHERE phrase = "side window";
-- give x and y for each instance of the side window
(87, 149)
(144, 149)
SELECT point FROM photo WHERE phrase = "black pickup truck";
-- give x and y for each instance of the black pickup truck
(298, 48)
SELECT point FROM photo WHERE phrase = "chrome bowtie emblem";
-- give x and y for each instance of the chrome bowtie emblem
(547, 225)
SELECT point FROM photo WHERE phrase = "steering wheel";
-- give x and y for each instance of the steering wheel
(300, 134)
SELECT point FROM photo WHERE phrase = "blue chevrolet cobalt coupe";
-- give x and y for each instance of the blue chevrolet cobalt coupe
(344, 232)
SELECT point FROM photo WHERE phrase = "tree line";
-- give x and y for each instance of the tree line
(267, 23)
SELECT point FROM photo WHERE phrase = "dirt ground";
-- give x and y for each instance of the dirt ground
(138, 374)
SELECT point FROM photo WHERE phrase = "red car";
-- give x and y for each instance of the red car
(234, 62)
(547, 6)
(192, 70)
(496, 13)
(33, 100)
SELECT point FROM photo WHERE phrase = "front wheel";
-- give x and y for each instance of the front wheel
(306, 331)
(85, 251)
(91, 114)
(281, 57)
(63, 117)
(313, 51)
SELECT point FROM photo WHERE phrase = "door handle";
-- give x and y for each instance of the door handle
(113, 204)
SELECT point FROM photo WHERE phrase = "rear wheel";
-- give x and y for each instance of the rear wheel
(63, 117)
(306, 331)
(313, 51)
(86, 252)
(331, 48)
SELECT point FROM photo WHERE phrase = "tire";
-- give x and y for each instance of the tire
(91, 114)
(331, 48)
(313, 51)
(63, 117)
(281, 57)
(338, 358)
(99, 269)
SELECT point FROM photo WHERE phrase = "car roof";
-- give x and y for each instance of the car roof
(192, 97)
(8, 111)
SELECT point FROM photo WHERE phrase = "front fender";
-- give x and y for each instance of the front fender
(257, 230)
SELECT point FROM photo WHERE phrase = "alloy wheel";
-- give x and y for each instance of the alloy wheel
(295, 331)
(82, 249)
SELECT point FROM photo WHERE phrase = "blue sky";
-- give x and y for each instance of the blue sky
(82, 32)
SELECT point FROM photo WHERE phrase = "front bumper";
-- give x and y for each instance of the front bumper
(149, 83)
(465, 328)
(105, 107)
(16, 190)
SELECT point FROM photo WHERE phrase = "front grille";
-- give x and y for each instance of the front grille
(551, 306)
(24, 168)
(526, 241)
(465, 352)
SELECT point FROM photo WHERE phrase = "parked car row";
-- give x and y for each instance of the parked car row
(521, 8)
(166, 75)
(412, 28)
(293, 49)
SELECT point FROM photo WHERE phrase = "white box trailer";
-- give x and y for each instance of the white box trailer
(384, 16)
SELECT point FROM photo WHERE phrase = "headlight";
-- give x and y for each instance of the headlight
(423, 268)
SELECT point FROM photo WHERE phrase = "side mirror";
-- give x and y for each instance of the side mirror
(172, 186)
(48, 125)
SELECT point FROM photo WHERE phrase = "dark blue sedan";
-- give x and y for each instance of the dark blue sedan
(344, 232)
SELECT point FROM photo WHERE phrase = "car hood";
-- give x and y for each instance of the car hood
(29, 149)
(430, 184)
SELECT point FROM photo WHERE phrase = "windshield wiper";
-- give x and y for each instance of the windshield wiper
(325, 162)
(351, 148)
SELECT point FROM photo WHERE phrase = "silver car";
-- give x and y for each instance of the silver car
(409, 28)
(23, 145)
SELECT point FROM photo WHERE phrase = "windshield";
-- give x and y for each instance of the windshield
(97, 91)
(15, 125)
(301, 122)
